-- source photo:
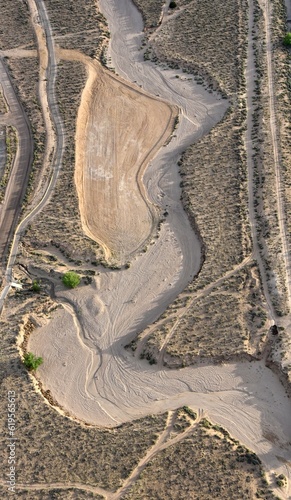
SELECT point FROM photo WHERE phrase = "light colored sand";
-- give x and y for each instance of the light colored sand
(85, 365)
(119, 129)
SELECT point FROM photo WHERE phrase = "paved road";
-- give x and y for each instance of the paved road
(10, 210)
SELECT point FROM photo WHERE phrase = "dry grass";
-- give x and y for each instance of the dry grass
(3, 104)
(10, 152)
(206, 464)
(78, 25)
(151, 11)
(15, 29)
(227, 322)
(214, 194)
(209, 38)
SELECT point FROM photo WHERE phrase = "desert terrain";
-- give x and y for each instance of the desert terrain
(155, 166)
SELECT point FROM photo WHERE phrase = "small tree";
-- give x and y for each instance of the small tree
(31, 361)
(287, 40)
(173, 5)
(71, 279)
(35, 286)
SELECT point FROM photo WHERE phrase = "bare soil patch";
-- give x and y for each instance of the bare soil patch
(111, 157)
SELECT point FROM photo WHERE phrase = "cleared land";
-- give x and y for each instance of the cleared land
(111, 157)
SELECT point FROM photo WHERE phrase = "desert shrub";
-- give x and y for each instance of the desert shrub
(35, 286)
(287, 40)
(31, 361)
(71, 279)
(173, 5)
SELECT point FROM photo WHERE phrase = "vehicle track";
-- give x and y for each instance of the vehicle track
(250, 77)
(276, 150)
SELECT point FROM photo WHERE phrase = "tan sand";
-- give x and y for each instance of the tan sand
(119, 129)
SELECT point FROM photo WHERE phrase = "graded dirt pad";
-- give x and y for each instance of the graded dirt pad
(111, 155)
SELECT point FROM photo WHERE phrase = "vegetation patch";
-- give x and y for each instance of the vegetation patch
(213, 49)
(11, 149)
(151, 11)
(78, 25)
(206, 464)
(71, 279)
(16, 29)
(31, 361)
(227, 322)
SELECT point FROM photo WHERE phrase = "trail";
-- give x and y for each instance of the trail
(250, 87)
(275, 143)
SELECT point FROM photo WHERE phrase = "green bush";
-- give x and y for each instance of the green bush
(31, 361)
(287, 40)
(173, 5)
(35, 286)
(71, 279)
